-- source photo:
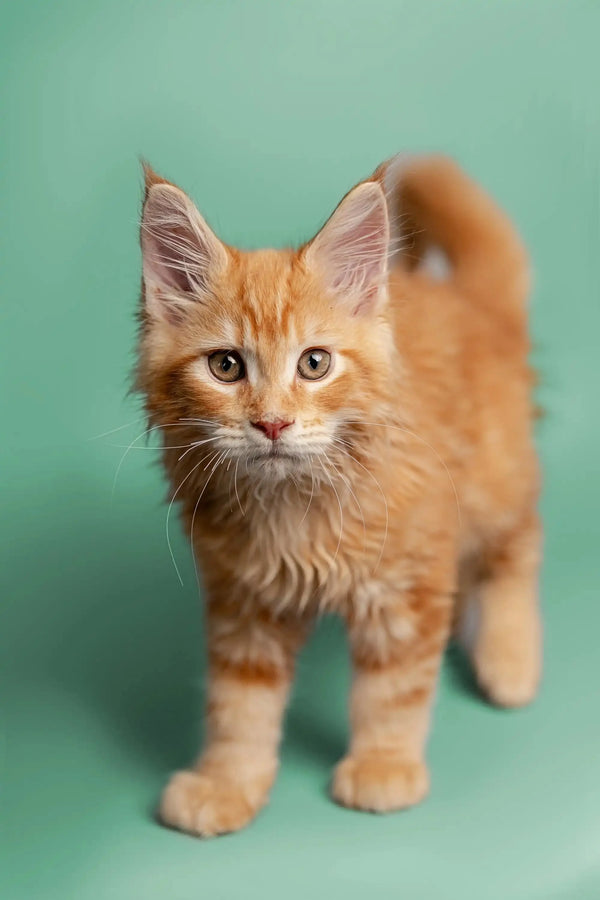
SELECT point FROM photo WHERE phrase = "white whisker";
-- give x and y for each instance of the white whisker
(312, 491)
(346, 481)
(197, 504)
(97, 437)
(191, 472)
(235, 474)
(194, 445)
(132, 445)
(340, 508)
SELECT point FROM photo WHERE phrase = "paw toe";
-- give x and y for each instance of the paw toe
(199, 804)
(379, 782)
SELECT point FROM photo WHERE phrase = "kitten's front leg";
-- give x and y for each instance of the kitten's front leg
(396, 657)
(251, 660)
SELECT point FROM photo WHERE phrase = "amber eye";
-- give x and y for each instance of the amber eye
(226, 365)
(314, 364)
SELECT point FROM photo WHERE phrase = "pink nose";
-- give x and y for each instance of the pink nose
(272, 429)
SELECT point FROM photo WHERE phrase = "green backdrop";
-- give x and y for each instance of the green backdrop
(267, 112)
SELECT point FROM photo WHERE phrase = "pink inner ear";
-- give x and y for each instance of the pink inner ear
(363, 250)
(351, 249)
(367, 301)
(179, 249)
(170, 263)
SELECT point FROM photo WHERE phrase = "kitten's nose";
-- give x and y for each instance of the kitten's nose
(272, 429)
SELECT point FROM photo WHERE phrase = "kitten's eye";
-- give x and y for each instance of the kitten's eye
(314, 364)
(226, 365)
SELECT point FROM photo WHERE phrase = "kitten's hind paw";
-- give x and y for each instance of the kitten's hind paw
(379, 782)
(507, 674)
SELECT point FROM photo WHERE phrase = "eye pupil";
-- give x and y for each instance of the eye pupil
(226, 365)
(314, 364)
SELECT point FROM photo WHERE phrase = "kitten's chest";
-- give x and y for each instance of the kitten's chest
(299, 556)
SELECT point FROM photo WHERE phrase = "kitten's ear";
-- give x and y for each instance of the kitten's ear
(350, 252)
(181, 255)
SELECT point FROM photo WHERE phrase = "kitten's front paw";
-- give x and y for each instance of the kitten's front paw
(206, 805)
(379, 782)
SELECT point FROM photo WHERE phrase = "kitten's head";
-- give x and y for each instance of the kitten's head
(272, 352)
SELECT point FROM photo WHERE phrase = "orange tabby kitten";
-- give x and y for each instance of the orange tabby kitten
(350, 436)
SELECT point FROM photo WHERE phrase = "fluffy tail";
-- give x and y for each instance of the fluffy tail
(435, 204)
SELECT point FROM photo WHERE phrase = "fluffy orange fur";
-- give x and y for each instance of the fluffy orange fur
(400, 493)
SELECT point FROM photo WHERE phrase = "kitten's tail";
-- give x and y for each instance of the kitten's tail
(435, 205)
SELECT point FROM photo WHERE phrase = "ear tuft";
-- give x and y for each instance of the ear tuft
(181, 255)
(151, 177)
(350, 252)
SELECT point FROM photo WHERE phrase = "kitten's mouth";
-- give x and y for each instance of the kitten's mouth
(276, 458)
(279, 460)
(276, 452)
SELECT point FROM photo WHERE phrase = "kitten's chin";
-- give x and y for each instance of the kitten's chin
(279, 466)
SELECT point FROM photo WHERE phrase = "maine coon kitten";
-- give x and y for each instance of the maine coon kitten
(350, 435)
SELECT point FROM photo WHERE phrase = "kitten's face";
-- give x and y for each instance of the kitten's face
(272, 352)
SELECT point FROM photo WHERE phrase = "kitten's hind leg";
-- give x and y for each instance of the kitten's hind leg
(500, 621)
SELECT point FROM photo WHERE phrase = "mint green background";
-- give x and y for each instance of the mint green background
(267, 112)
